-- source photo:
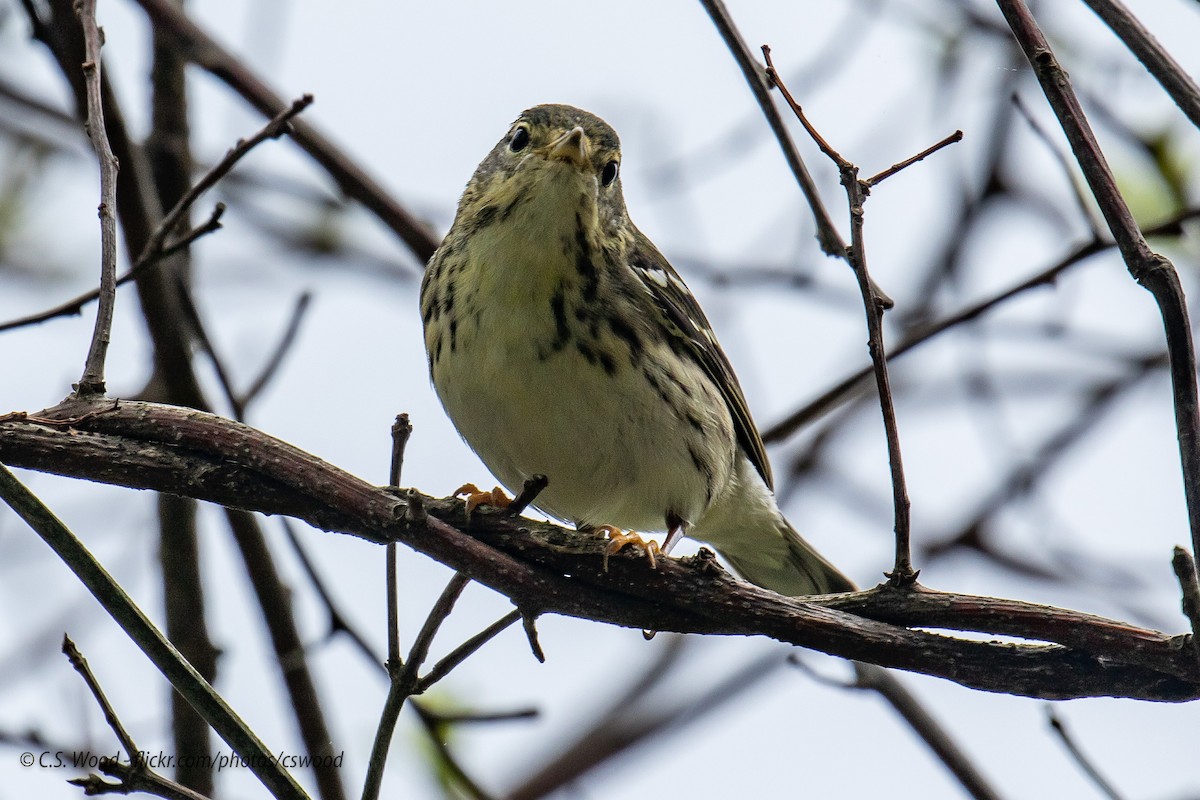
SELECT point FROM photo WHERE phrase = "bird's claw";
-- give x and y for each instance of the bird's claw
(618, 539)
(475, 497)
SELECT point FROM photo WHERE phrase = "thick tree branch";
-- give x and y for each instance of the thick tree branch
(547, 569)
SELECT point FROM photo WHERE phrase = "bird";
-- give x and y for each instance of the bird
(561, 342)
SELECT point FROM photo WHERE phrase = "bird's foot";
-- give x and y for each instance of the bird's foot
(475, 497)
(618, 540)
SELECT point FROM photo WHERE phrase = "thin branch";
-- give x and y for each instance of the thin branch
(351, 178)
(938, 739)
(460, 717)
(856, 193)
(383, 739)
(187, 305)
(1060, 158)
(639, 716)
(437, 615)
(134, 776)
(74, 307)
(279, 124)
(1151, 270)
(286, 341)
(1080, 757)
(830, 398)
(275, 601)
(1185, 571)
(433, 726)
(401, 430)
(155, 249)
(533, 486)
(162, 654)
(92, 381)
(404, 676)
(337, 620)
(461, 653)
(875, 180)
(79, 663)
(827, 234)
(529, 625)
(1165, 69)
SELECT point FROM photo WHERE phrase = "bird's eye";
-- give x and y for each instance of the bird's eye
(609, 173)
(519, 140)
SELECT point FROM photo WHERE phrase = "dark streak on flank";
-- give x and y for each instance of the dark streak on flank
(558, 307)
(704, 468)
(655, 384)
(484, 217)
(583, 262)
(622, 330)
(447, 304)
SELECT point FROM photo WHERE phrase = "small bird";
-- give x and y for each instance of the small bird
(562, 342)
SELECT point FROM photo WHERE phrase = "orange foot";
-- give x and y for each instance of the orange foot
(475, 498)
(618, 540)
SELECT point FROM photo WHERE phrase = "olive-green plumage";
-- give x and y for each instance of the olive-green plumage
(562, 342)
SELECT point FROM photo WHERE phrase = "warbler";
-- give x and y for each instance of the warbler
(562, 342)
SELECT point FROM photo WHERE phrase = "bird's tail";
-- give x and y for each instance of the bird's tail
(746, 527)
(790, 567)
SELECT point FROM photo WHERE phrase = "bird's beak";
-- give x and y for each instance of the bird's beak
(571, 146)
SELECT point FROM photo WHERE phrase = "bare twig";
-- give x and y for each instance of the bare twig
(939, 740)
(534, 485)
(156, 250)
(1166, 70)
(337, 620)
(192, 318)
(831, 397)
(529, 624)
(350, 177)
(110, 716)
(638, 716)
(875, 180)
(435, 728)
(275, 601)
(405, 680)
(827, 233)
(134, 776)
(1185, 571)
(1060, 158)
(279, 124)
(437, 615)
(1080, 757)
(1151, 270)
(272, 365)
(459, 717)
(460, 654)
(856, 191)
(74, 307)
(92, 382)
(401, 430)
(182, 675)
